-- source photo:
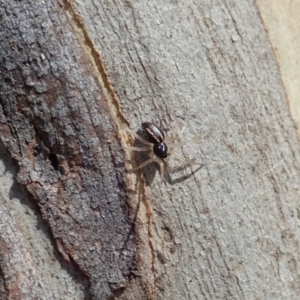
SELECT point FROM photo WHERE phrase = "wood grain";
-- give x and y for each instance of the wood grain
(73, 75)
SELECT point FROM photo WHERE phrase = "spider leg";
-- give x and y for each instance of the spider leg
(177, 134)
(194, 140)
(186, 160)
(161, 166)
(181, 131)
(138, 137)
(148, 148)
(156, 159)
(170, 139)
(145, 163)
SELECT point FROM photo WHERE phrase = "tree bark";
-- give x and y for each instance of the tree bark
(75, 223)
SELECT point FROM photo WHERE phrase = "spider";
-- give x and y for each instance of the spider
(159, 146)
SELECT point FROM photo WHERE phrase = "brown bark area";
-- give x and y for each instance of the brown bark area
(74, 224)
(57, 128)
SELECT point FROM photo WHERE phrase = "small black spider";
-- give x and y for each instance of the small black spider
(160, 147)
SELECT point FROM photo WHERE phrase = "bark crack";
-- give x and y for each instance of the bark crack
(97, 63)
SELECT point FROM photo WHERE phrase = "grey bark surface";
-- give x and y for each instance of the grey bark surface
(74, 223)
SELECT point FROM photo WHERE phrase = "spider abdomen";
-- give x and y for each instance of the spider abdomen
(152, 133)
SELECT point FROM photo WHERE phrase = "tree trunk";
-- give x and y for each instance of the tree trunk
(75, 222)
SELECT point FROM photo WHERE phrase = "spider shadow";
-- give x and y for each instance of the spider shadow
(182, 178)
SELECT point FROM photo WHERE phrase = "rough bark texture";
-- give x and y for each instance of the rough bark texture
(56, 126)
(74, 224)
